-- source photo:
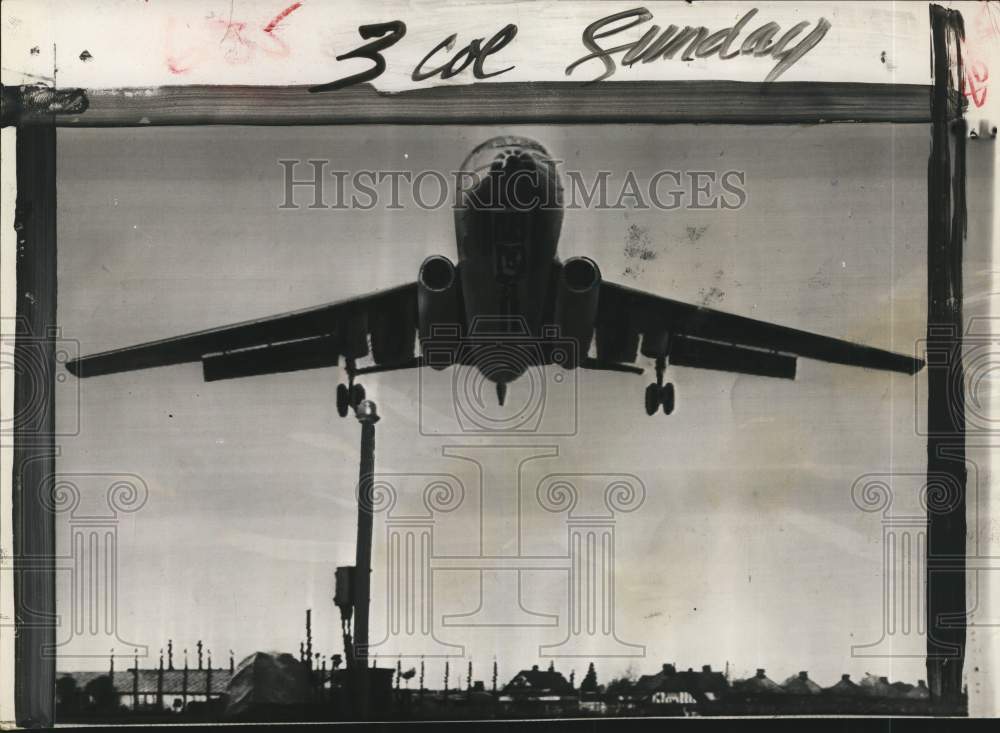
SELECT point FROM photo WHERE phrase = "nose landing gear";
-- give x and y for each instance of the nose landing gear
(658, 394)
(349, 395)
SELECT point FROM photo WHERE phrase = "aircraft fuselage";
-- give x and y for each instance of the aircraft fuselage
(507, 233)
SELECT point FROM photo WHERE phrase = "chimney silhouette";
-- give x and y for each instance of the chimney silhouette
(706, 668)
(170, 653)
(159, 683)
(760, 671)
(309, 638)
(199, 645)
(184, 681)
(135, 681)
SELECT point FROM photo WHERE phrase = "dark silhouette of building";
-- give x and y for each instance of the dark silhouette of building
(539, 692)
(280, 687)
(671, 691)
(148, 690)
(844, 687)
(759, 684)
(876, 686)
(920, 692)
(800, 684)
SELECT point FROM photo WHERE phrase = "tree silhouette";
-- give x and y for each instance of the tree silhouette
(67, 695)
(589, 683)
(102, 691)
(408, 675)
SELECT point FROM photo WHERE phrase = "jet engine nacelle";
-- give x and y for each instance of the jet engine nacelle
(438, 302)
(576, 303)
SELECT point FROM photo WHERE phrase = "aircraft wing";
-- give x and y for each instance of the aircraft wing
(705, 338)
(304, 339)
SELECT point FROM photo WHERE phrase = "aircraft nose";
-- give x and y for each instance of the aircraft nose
(499, 153)
(510, 160)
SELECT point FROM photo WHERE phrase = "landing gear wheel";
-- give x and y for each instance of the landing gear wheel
(343, 400)
(652, 399)
(357, 395)
(667, 398)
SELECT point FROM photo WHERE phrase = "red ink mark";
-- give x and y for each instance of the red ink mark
(177, 63)
(978, 46)
(281, 16)
(193, 44)
(975, 80)
(237, 49)
(976, 77)
(987, 23)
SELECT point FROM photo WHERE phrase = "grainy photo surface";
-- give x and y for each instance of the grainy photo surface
(530, 520)
(591, 394)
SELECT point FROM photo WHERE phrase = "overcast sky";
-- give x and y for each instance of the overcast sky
(747, 549)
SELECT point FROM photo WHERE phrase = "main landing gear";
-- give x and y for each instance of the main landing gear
(349, 395)
(659, 394)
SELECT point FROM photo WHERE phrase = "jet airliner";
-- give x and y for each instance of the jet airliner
(507, 293)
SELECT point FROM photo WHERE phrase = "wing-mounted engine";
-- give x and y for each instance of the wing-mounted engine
(439, 304)
(577, 293)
